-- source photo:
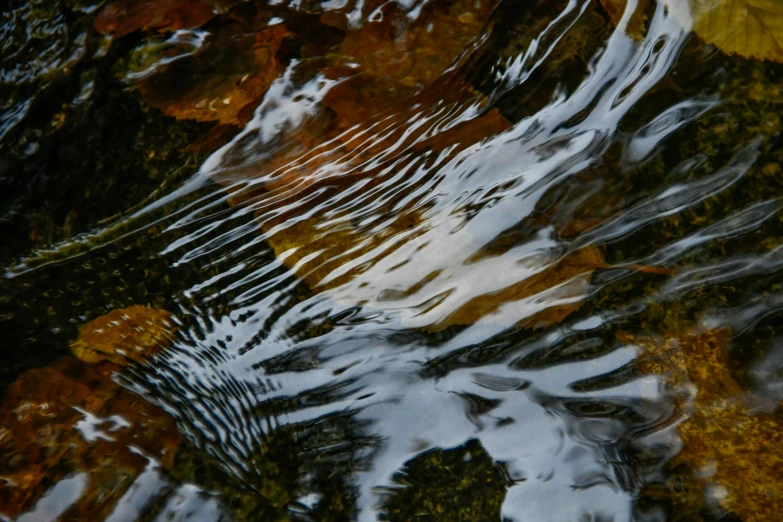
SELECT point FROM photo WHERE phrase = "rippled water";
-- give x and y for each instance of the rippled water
(463, 273)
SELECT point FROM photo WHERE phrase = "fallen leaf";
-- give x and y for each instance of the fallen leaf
(232, 72)
(736, 458)
(314, 249)
(132, 333)
(337, 241)
(382, 70)
(748, 28)
(378, 65)
(71, 419)
(122, 17)
(413, 54)
(567, 280)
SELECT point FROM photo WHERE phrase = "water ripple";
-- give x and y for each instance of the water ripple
(450, 273)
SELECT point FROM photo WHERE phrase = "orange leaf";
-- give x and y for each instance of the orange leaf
(233, 72)
(79, 424)
(122, 17)
(413, 54)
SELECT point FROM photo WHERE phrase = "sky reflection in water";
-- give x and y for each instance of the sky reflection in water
(368, 341)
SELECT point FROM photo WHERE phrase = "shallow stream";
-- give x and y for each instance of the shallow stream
(415, 260)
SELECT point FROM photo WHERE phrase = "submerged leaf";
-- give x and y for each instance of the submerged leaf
(80, 424)
(121, 17)
(748, 28)
(559, 290)
(324, 246)
(380, 64)
(132, 333)
(397, 51)
(316, 251)
(222, 83)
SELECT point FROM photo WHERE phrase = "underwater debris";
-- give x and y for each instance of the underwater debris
(80, 426)
(132, 333)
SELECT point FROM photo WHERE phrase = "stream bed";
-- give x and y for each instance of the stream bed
(447, 260)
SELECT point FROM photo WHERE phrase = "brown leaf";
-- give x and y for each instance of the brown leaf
(305, 238)
(413, 54)
(71, 418)
(328, 247)
(374, 82)
(233, 72)
(121, 17)
(132, 333)
(316, 249)
(566, 280)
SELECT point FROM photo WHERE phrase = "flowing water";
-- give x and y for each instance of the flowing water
(438, 307)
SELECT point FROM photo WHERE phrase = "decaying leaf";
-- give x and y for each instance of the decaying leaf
(315, 251)
(295, 243)
(356, 147)
(748, 28)
(568, 280)
(224, 82)
(121, 17)
(398, 51)
(392, 54)
(379, 71)
(317, 248)
(80, 424)
(378, 65)
(736, 457)
(132, 333)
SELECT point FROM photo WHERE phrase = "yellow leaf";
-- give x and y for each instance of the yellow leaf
(749, 28)
(132, 333)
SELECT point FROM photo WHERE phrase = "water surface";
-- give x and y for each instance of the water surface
(502, 265)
